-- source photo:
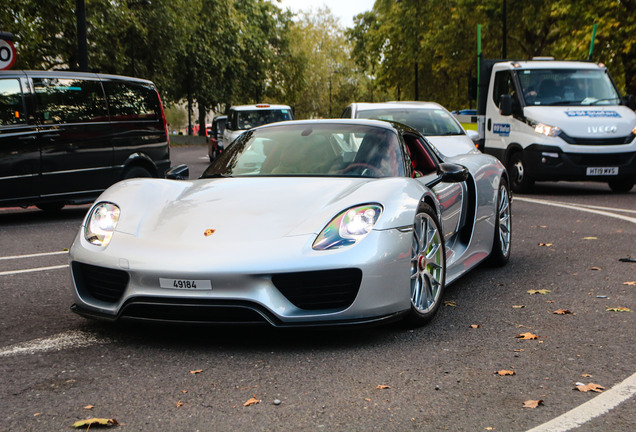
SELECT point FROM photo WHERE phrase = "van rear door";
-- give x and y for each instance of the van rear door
(19, 150)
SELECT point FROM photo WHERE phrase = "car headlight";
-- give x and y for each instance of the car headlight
(546, 130)
(101, 224)
(349, 227)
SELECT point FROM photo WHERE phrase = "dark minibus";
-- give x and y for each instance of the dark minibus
(67, 136)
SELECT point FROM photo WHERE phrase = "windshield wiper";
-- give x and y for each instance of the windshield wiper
(603, 100)
(217, 175)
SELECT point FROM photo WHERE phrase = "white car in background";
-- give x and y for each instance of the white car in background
(245, 117)
(431, 119)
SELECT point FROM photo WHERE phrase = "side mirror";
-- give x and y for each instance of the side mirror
(473, 135)
(179, 172)
(505, 105)
(450, 173)
(629, 101)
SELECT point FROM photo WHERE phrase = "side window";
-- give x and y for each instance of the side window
(61, 100)
(346, 113)
(11, 102)
(504, 85)
(132, 101)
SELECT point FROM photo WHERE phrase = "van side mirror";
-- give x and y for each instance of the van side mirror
(505, 105)
(179, 172)
(629, 101)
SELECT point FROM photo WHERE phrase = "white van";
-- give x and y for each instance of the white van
(244, 117)
(557, 120)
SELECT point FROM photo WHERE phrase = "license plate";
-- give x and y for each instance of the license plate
(597, 171)
(185, 284)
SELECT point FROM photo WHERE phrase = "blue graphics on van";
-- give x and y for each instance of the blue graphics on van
(502, 129)
(592, 113)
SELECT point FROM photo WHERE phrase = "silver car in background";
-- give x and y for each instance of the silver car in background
(300, 223)
(431, 119)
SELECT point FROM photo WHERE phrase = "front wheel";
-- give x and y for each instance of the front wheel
(428, 267)
(621, 185)
(502, 236)
(520, 179)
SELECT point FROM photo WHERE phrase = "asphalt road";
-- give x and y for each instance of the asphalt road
(55, 365)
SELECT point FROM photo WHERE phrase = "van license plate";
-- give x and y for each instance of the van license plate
(185, 284)
(597, 171)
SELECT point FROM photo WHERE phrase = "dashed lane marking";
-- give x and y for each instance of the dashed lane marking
(34, 255)
(13, 272)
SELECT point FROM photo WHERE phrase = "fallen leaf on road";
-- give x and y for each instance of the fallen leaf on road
(563, 312)
(450, 303)
(251, 401)
(590, 238)
(633, 283)
(619, 309)
(179, 404)
(586, 375)
(589, 387)
(383, 387)
(596, 268)
(518, 306)
(532, 403)
(474, 326)
(89, 407)
(504, 372)
(198, 371)
(545, 244)
(541, 291)
(528, 335)
(95, 422)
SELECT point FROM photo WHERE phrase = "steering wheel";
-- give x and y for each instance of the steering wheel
(364, 167)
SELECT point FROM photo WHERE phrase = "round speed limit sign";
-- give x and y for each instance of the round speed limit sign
(7, 54)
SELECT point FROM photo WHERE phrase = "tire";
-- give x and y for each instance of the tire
(621, 185)
(501, 245)
(136, 172)
(51, 207)
(428, 267)
(520, 180)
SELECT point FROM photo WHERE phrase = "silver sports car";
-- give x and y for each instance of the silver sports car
(301, 223)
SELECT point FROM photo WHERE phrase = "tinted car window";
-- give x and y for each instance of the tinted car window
(427, 121)
(11, 103)
(243, 120)
(69, 100)
(128, 101)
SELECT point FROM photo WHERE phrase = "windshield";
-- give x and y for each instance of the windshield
(428, 121)
(333, 150)
(567, 87)
(243, 120)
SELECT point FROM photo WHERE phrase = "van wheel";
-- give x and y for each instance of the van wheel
(50, 207)
(621, 185)
(136, 172)
(520, 180)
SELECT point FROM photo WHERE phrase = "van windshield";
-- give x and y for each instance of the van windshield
(243, 120)
(567, 87)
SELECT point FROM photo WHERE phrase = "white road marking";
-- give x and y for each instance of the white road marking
(598, 406)
(34, 255)
(611, 398)
(58, 342)
(578, 207)
(13, 272)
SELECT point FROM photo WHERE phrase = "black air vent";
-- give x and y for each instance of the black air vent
(326, 289)
(100, 282)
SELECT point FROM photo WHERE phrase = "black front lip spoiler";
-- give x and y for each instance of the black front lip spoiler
(267, 319)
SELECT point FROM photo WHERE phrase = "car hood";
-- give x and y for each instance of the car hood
(453, 145)
(236, 209)
(586, 121)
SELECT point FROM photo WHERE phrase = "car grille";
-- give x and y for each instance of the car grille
(100, 282)
(326, 289)
(596, 141)
(608, 159)
(192, 311)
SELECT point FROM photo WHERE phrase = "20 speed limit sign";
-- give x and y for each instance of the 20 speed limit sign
(7, 54)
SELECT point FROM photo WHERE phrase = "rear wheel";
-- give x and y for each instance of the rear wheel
(501, 243)
(520, 179)
(428, 267)
(621, 185)
(135, 172)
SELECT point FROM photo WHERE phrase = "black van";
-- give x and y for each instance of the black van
(67, 136)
